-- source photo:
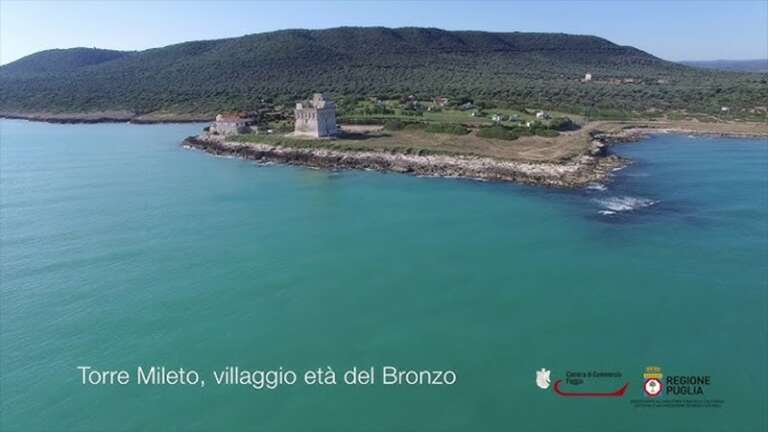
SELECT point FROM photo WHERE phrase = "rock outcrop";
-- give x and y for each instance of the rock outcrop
(580, 171)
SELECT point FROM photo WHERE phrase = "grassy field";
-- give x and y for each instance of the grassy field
(422, 128)
(529, 148)
(367, 109)
(526, 148)
(429, 112)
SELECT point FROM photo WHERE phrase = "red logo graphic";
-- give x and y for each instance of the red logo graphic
(617, 393)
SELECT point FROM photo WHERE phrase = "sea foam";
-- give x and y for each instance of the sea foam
(616, 204)
(596, 187)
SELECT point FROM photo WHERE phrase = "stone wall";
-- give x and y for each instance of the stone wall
(229, 128)
(306, 122)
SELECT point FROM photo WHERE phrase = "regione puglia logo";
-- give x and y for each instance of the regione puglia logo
(542, 378)
(652, 385)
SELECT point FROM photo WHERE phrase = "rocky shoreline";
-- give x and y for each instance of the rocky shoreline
(633, 133)
(593, 165)
(638, 134)
(106, 117)
(580, 171)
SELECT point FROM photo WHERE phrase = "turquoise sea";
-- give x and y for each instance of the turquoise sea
(119, 248)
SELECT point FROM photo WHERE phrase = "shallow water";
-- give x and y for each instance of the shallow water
(120, 248)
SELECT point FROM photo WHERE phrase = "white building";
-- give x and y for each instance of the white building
(542, 115)
(587, 77)
(315, 118)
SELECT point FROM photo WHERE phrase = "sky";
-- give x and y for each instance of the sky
(672, 29)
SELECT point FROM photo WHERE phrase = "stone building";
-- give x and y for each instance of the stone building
(316, 117)
(232, 124)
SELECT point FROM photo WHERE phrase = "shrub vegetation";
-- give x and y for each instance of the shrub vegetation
(447, 128)
(514, 69)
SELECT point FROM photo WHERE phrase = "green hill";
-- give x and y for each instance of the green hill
(60, 61)
(758, 65)
(538, 69)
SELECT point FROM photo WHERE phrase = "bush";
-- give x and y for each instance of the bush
(540, 129)
(393, 125)
(378, 110)
(499, 132)
(415, 126)
(396, 125)
(562, 124)
(361, 120)
(409, 113)
(448, 128)
(607, 114)
(546, 132)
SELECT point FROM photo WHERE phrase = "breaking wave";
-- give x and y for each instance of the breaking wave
(596, 187)
(613, 205)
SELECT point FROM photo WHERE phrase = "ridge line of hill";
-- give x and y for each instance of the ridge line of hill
(513, 69)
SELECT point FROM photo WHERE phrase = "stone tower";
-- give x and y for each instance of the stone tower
(316, 117)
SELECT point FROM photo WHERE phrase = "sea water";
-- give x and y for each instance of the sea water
(120, 249)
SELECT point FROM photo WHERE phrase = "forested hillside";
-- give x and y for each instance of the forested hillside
(539, 69)
(759, 65)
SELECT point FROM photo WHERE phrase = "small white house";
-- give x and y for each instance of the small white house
(542, 115)
(587, 77)
(498, 118)
(441, 101)
(725, 109)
